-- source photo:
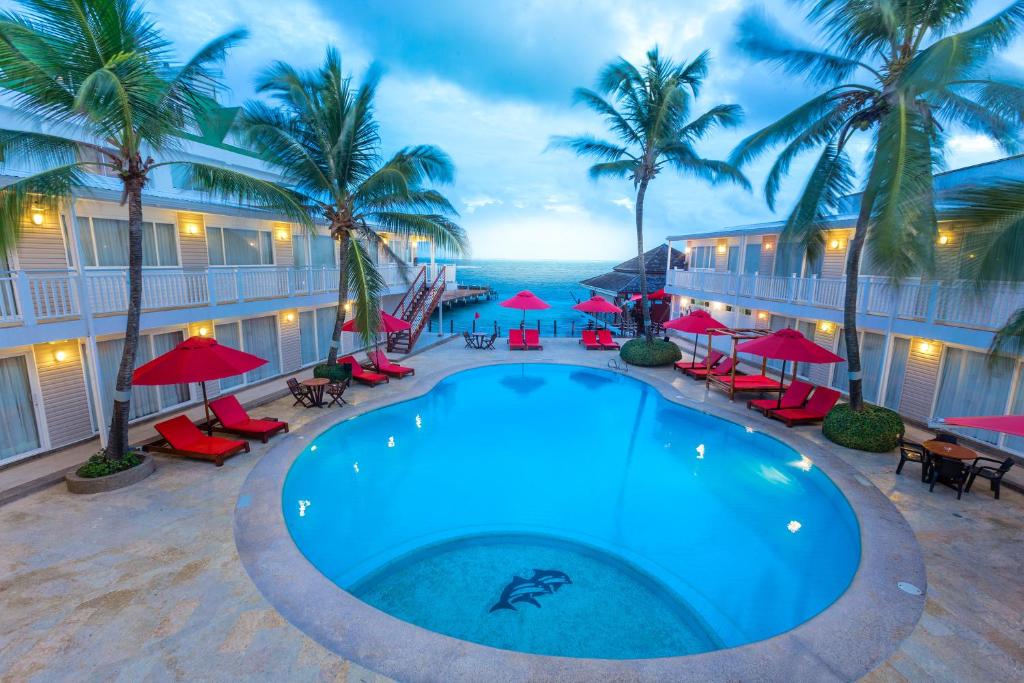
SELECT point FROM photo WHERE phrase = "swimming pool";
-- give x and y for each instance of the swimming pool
(560, 510)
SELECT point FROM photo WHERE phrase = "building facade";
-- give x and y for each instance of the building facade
(245, 277)
(923, 339)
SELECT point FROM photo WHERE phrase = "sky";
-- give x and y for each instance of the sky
(491, 83)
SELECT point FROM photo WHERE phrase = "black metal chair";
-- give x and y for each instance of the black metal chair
(914, 452)
(469, 340)
(300, 393)
(335, 391)
(489, 342)
(993, 474)
(951, 472)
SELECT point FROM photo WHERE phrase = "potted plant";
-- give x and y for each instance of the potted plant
(101, 473)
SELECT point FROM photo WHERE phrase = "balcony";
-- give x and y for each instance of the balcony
(951, 303)
(33, 297)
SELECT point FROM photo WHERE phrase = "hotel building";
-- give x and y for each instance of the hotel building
(923, 339)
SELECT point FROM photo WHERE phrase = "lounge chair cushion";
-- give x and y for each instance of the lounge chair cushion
(532, 339)
(589, 339)
(358, 373)
(605, 337)
(182, 435)
(794, 397)
(515, 339)
(380, 360)
(232, 415)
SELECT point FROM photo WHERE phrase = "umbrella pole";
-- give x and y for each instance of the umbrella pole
(693, 362)
(206, 407)
(782, 382)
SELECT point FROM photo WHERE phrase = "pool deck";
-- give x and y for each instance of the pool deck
(146, 583)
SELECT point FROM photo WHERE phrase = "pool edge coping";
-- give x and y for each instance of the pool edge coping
(843, 642)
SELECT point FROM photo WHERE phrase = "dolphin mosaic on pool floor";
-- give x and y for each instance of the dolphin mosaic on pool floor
(146, 583)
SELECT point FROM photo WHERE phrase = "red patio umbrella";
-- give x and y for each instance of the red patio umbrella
(788, 345)
(597, 304)
(197, 359)
(653, 296)
(525, 301)
(699, 322)
(388, 324)
(1008, 424)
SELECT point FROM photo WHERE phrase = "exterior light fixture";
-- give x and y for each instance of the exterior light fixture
(60, 356)
(825, 326)
(203, 331)
(282, 235)
(926, 347)
(762, 315)
(768, 246)
(834, 244)
(944, 239)
(192, 229)
(37, 216)
(290, 317)
(721, 248)
(687, 250)
(348, 306)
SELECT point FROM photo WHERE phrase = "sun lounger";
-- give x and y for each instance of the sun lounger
(234, 420)
(794, 397)
(515, 340)
(818, 406)
(589, 340)
(181, 437)
(605, 337)
(684, 365)
(380, 360)
(363, 376)
(702, 372)
(533, 340)
(753, 383)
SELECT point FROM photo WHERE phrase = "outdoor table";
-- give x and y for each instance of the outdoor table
(949, 450)
(316, 389)
(478, 339)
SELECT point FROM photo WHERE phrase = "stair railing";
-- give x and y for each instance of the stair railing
(418, 282)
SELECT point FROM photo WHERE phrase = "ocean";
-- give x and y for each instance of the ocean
(556, 282)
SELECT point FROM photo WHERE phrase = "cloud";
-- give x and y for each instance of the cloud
(479, 202)
(625, 202)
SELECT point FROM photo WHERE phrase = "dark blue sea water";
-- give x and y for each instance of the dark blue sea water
(556, 282)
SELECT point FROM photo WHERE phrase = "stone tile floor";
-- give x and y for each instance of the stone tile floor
(144, 584)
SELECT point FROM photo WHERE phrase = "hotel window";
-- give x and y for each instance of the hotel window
(300, 259)
(897, 373)
(104, 243)
(323, 249)
(752, 260)
(872, 357)
(17, 409)
(8, 302)
(733, 261)
(702, 257)
(145, 400)
(239, 247)
(789, 258)
(1016, 443)
(315, 331)
(257, 336)
(972, 384)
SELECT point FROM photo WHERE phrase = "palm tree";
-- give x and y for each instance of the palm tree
(319, 132)
(648, 109)
(897, 74)
(997, 209)
(96, 74)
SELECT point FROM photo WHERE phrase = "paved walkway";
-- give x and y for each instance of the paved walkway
(145, 583)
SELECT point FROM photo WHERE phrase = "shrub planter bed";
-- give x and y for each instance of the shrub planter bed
(657, 352)
(110, 482)
(874, 429)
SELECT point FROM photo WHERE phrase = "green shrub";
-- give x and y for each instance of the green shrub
(873, 429)
(335, 373)
(657, 352)
(99, 465)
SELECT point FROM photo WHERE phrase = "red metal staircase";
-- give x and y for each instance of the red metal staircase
(417, 305)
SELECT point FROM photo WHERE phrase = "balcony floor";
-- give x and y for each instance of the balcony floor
(146, 584)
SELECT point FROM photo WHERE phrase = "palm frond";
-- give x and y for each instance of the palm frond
(831, 178)
(622, 127)
(45, 189)
(367, 284)
(441, 230)
(996, 208)
(624, 168)
(1009, 340)
(589, 146)
(821, 132)
(722, 115)
(785, 129)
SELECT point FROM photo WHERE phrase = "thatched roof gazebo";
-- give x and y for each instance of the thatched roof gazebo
(623, 281)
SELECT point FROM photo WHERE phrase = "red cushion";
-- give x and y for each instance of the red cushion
(228, 410)
(212, 445)
(756, 382)
(178, 431)
(255, 426)
(532, 338)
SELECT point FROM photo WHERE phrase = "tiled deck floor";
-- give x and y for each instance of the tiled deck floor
(145, 583)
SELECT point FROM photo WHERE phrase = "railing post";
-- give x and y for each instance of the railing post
(864, 295)
(211, 287)
(289, 276)
(239, 286)
(451, 326)
(555, 328)
(793, 284)
(25, 303)
(933, 303)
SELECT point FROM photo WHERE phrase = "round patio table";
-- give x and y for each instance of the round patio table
(316, 389)
(949, 450)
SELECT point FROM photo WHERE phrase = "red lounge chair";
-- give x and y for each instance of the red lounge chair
(533, 340)
(361, 375)
(589, 340)
(821, 401)
(380, 360)
(184, 438)
(702, 372)
(605, 337)
(755, 383)
(234, 420)
(794, 397)
(515, 340)
(684, 365)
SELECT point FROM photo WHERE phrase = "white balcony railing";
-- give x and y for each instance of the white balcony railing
(956, 302)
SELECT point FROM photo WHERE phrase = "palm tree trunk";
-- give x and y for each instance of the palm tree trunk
(332, 354)
(850, 303)
(117, 441)
(645, 310)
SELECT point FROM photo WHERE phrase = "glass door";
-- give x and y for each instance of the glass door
(20, 433)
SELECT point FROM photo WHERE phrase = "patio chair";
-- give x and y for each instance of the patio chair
(468, 339)
(335, 390)
(589, 340)
(795, 396)
(533, 340)
(363, 376)
(993, 474)
(381, 362)
(817, 407)
(951, 472)
(489, 342)
(914, 452)
(515, 340)
(234, 419)
(715, 357)
(718, 370)
(605, 337)
(184, 439)
(300, 393)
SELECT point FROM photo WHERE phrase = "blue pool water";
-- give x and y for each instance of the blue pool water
(617, 524)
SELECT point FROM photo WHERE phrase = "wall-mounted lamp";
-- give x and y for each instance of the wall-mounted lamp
(687, 250)
(192, 229)
(348, 306)
(60, 356)
(762, 315)
(282, 235)
(290, 317)
(825, 326)
(836, 243)
(944, 239)
(37, 216)
(926, 347)
(768, 246)
(717, 305)
(722, 248)
(203, 331)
